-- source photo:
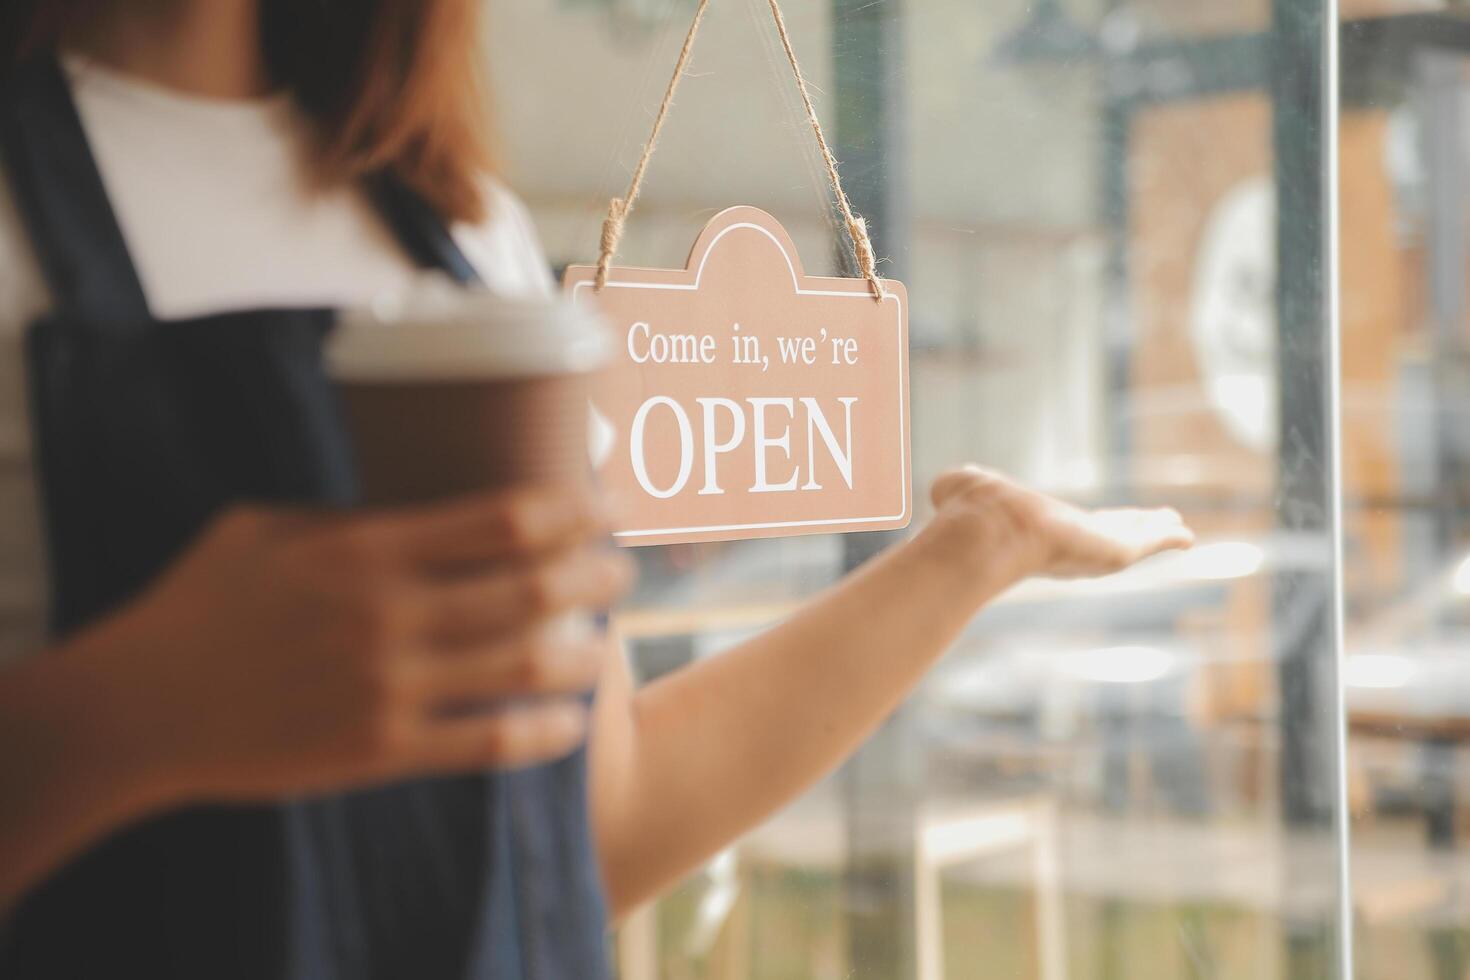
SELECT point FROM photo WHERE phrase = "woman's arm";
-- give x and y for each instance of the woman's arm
(71, 766)
(291, 652)
(684, 766)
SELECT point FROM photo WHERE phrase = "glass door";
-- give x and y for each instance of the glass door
(1113, 220)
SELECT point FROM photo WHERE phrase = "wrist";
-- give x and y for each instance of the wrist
(978, 543)
(93, 717)
(70, 770)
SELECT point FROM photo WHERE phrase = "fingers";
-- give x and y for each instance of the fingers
(1145, 533)
(534, 664)
(1174, 534)
(459, 611)
(506, 738)
(1163, 530)
(489, 527)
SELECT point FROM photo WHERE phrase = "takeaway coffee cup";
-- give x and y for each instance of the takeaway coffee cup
(449, 391)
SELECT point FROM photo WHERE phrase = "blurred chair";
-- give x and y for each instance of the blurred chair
(951, 837)
(944, 838)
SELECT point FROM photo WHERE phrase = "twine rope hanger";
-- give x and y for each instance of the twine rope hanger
(620, 207)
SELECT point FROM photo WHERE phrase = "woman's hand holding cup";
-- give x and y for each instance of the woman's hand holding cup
(292, 652)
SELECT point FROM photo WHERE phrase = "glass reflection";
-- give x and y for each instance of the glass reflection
(1109, 214)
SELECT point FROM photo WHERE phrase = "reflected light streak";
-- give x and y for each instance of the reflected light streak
(1120, 665)
(1221, 560)
(1380, 671)
(1461, 581)
(1215, 562)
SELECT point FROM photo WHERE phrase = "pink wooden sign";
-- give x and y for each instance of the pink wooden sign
(749, 399)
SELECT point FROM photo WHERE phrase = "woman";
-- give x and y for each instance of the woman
(233, 753)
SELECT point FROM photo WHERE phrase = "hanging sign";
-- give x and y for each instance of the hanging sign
(749, 399)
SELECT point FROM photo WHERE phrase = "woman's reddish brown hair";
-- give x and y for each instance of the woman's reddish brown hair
(392, 85)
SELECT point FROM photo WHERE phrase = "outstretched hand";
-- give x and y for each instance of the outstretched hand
(1046, 537)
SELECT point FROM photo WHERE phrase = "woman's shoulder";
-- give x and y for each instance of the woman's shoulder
(504, 247)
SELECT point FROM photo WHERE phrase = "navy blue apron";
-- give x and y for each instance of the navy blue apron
(144, 430)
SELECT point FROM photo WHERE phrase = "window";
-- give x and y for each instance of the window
(1404, 153)
(1113, 220)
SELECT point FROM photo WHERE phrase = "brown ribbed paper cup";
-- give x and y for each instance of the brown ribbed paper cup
(452, 392)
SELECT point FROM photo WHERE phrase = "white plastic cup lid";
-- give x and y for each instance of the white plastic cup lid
(439, 330)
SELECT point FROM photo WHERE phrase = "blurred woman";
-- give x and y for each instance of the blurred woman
(228, 743)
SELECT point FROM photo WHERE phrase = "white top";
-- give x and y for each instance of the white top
(219, 211)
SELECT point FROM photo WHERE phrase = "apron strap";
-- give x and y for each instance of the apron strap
(61, 199)
(420, 230)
